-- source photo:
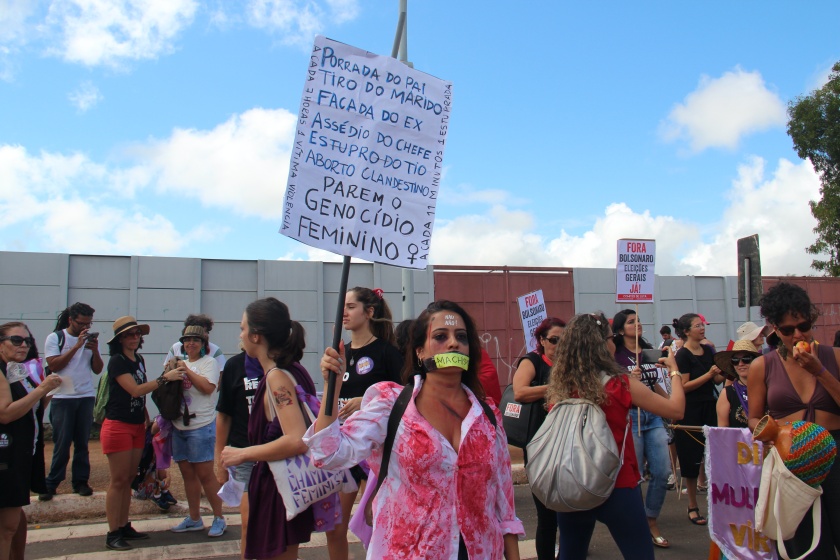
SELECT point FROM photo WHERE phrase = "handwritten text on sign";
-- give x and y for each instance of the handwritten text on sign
(533, 312)
(368, 156)
(634, 270)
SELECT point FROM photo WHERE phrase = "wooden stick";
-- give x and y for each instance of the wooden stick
(639, 365)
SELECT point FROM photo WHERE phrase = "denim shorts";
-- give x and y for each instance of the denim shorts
(194, 446)
(242, 472)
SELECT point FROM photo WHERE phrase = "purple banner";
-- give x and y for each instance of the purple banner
(733, 467)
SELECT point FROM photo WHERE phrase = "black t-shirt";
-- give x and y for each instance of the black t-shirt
(236, 397)
(122, 406)
(378, 361)
(687, 362)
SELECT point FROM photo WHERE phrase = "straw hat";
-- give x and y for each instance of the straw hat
(194, 331)
(723, 359)
(125, 323)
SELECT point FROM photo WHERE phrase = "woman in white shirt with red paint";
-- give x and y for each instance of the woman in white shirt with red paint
(448, 493)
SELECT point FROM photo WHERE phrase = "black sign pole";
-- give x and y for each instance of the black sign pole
(329, 395)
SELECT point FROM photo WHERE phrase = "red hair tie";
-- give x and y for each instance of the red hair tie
(379, 293)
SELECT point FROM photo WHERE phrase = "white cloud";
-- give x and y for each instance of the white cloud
(723, 110)
(240, 165)
(13, 16)
(85, 96)
(774, 207)
(108, 32)
(298, 21)
(67, 203)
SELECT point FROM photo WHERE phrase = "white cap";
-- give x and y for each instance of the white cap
(750, 331)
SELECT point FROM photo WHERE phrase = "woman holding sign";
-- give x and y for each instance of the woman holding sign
(275, 426)
(373, 357)
(649, 435)
(443, 493)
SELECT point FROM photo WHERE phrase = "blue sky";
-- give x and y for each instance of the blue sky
(163, 127)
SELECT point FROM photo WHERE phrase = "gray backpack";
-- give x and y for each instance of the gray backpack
(573, 460)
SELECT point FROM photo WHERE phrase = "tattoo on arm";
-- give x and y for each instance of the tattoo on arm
(282, 397)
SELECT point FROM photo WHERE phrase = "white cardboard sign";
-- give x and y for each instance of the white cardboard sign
(634, 276)
(533, 312)
(368, 156)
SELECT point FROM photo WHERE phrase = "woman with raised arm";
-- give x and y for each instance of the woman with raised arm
(372, 357)
(275, 427)
(123, 433)
(586, 351)
(799, 381)
(19, 426)
(530, 382)
(648, 429)
(447, 493)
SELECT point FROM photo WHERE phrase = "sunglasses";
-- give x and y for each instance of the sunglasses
(734, 360)
(553, 339)
(18, 340)
(787, 330)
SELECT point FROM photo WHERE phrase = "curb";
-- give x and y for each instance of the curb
(65, 508)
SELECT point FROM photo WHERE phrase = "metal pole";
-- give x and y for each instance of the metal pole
(401, 49)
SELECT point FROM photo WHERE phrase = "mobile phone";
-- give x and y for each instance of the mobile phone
(92, 335)
(652, 356)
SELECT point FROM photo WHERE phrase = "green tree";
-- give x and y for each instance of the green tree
(814, 127)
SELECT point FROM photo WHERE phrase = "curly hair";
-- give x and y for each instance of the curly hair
(547, 324)
(381, 323)
(784, 298)
(581, 356)
(420, 333)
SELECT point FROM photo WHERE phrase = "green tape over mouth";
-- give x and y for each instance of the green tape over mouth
(448, 359)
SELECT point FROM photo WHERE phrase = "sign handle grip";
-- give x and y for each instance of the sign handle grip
(329, 394)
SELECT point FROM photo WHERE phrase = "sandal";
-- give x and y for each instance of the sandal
(699, 520)
(660, 541)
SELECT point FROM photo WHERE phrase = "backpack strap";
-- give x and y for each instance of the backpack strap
(394, 419)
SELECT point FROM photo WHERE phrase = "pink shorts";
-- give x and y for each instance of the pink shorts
(116, 436)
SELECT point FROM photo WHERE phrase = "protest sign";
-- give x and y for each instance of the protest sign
(367, 157)
(733, 466)
(634, 270)
(533, 312)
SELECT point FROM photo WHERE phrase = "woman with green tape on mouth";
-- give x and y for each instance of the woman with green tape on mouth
(446, 491)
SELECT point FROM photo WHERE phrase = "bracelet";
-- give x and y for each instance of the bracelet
(161, 381)
(674, 374)
(820, 373)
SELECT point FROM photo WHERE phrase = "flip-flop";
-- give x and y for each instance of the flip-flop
(660, 541)
(699, 520)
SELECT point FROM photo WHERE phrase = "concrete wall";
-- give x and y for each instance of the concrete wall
(715, 297)
(162, 291)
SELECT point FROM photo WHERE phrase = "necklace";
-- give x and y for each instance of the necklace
(353, 351)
